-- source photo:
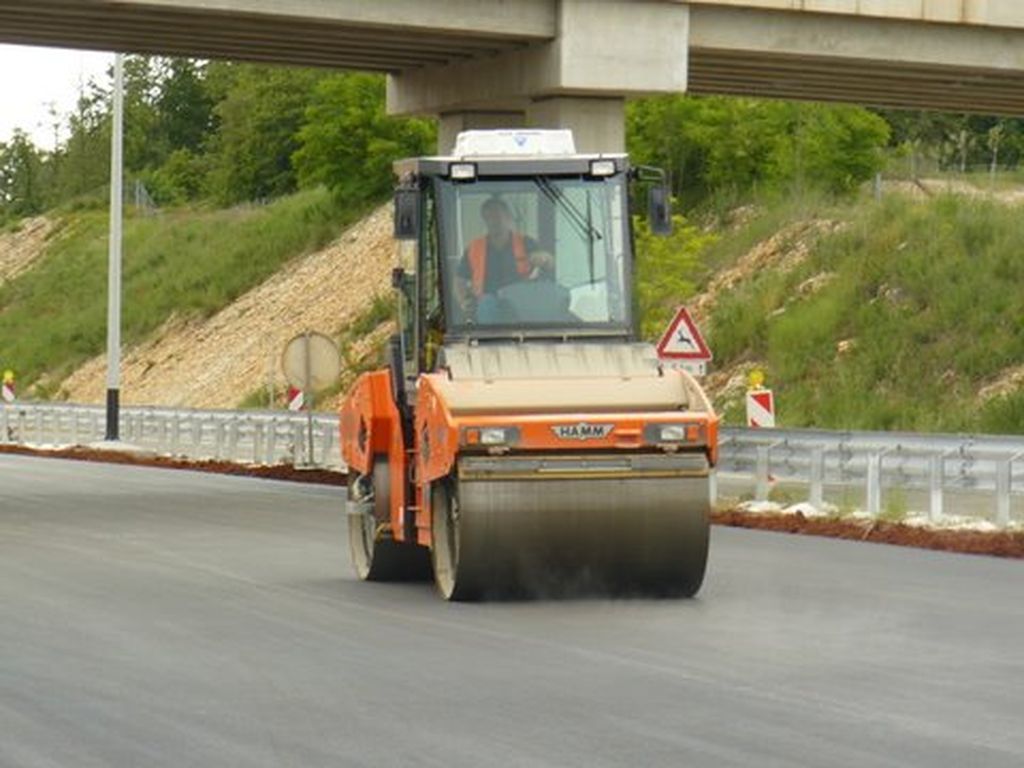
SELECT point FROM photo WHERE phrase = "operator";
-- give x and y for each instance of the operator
(495, 260)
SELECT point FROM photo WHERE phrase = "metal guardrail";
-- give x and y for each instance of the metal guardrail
(874, 462)
(258, 437)
(936, 465)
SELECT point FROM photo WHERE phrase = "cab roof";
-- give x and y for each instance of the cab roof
(510, 152)
(570, 165)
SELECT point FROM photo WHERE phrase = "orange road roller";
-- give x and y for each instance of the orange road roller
(522, 441)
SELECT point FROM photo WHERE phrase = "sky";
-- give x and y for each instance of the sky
(32, 79)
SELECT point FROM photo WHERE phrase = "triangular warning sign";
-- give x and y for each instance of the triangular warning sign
(682, 340)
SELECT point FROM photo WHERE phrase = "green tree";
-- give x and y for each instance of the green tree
(184, 104)
(22, 183)
(728, 147)
(83, 162)
(835, 147)
(259, 117)
(666, 268)
(348, 142)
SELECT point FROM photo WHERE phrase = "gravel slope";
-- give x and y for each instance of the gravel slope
(216, 362)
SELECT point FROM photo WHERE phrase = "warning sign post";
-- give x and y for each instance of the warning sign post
(683, 346)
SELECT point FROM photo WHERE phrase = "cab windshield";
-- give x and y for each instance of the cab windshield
(535, 254)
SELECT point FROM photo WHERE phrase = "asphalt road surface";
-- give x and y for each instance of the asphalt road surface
(159, 618)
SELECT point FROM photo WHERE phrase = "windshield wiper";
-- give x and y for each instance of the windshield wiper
(575, 216)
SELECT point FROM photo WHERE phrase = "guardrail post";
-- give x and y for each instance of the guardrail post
(327, 444)
(218, 439)
(874, 484)
(299, 457)
(233, 439)
(712, 487)
(257, 441)
(271, 442)
(817, 495)
(5, 425)
(1004, 476)
(937, 470)
(761, 490)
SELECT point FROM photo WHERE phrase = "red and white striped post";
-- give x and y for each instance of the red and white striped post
(7, 388)
(760, 403)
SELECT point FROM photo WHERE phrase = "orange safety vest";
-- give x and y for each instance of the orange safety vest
(478, 260)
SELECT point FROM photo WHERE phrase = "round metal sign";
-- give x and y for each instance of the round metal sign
(311, 362)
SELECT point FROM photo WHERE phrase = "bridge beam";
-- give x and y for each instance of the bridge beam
(828, 56)
(521, 19)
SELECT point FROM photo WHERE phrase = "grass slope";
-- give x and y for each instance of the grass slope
(928, 298)
(53, 317)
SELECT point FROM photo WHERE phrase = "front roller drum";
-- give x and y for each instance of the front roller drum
(532, 536)
(376, 556)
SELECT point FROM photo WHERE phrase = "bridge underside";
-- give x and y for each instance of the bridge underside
(432, 49)
(864, 81)
(305, 40)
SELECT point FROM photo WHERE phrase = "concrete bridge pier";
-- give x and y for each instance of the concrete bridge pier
(451, 124)
(603, 52)
(598, 124)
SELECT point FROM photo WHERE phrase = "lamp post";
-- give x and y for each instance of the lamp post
(114, 257)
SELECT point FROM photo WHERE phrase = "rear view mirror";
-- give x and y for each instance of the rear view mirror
(659, 210)
(407, 214)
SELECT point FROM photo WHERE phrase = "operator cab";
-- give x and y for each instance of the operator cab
(517, 237)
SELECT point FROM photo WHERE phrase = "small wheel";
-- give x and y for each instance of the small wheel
(375, 555)
(450, 579)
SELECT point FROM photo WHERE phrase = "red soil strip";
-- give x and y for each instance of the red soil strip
(997, 544)
(275, 472)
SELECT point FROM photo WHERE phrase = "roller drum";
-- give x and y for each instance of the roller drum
(551, 530)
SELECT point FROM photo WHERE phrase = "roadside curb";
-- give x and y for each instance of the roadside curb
(270, 472)
(1005, 544)
(1009, 544)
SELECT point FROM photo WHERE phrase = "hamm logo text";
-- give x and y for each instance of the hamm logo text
(582, 431)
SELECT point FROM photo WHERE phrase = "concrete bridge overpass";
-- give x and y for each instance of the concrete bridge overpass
(573, 62)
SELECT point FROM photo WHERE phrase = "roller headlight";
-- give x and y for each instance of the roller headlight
(672, 433)
(490, 437)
